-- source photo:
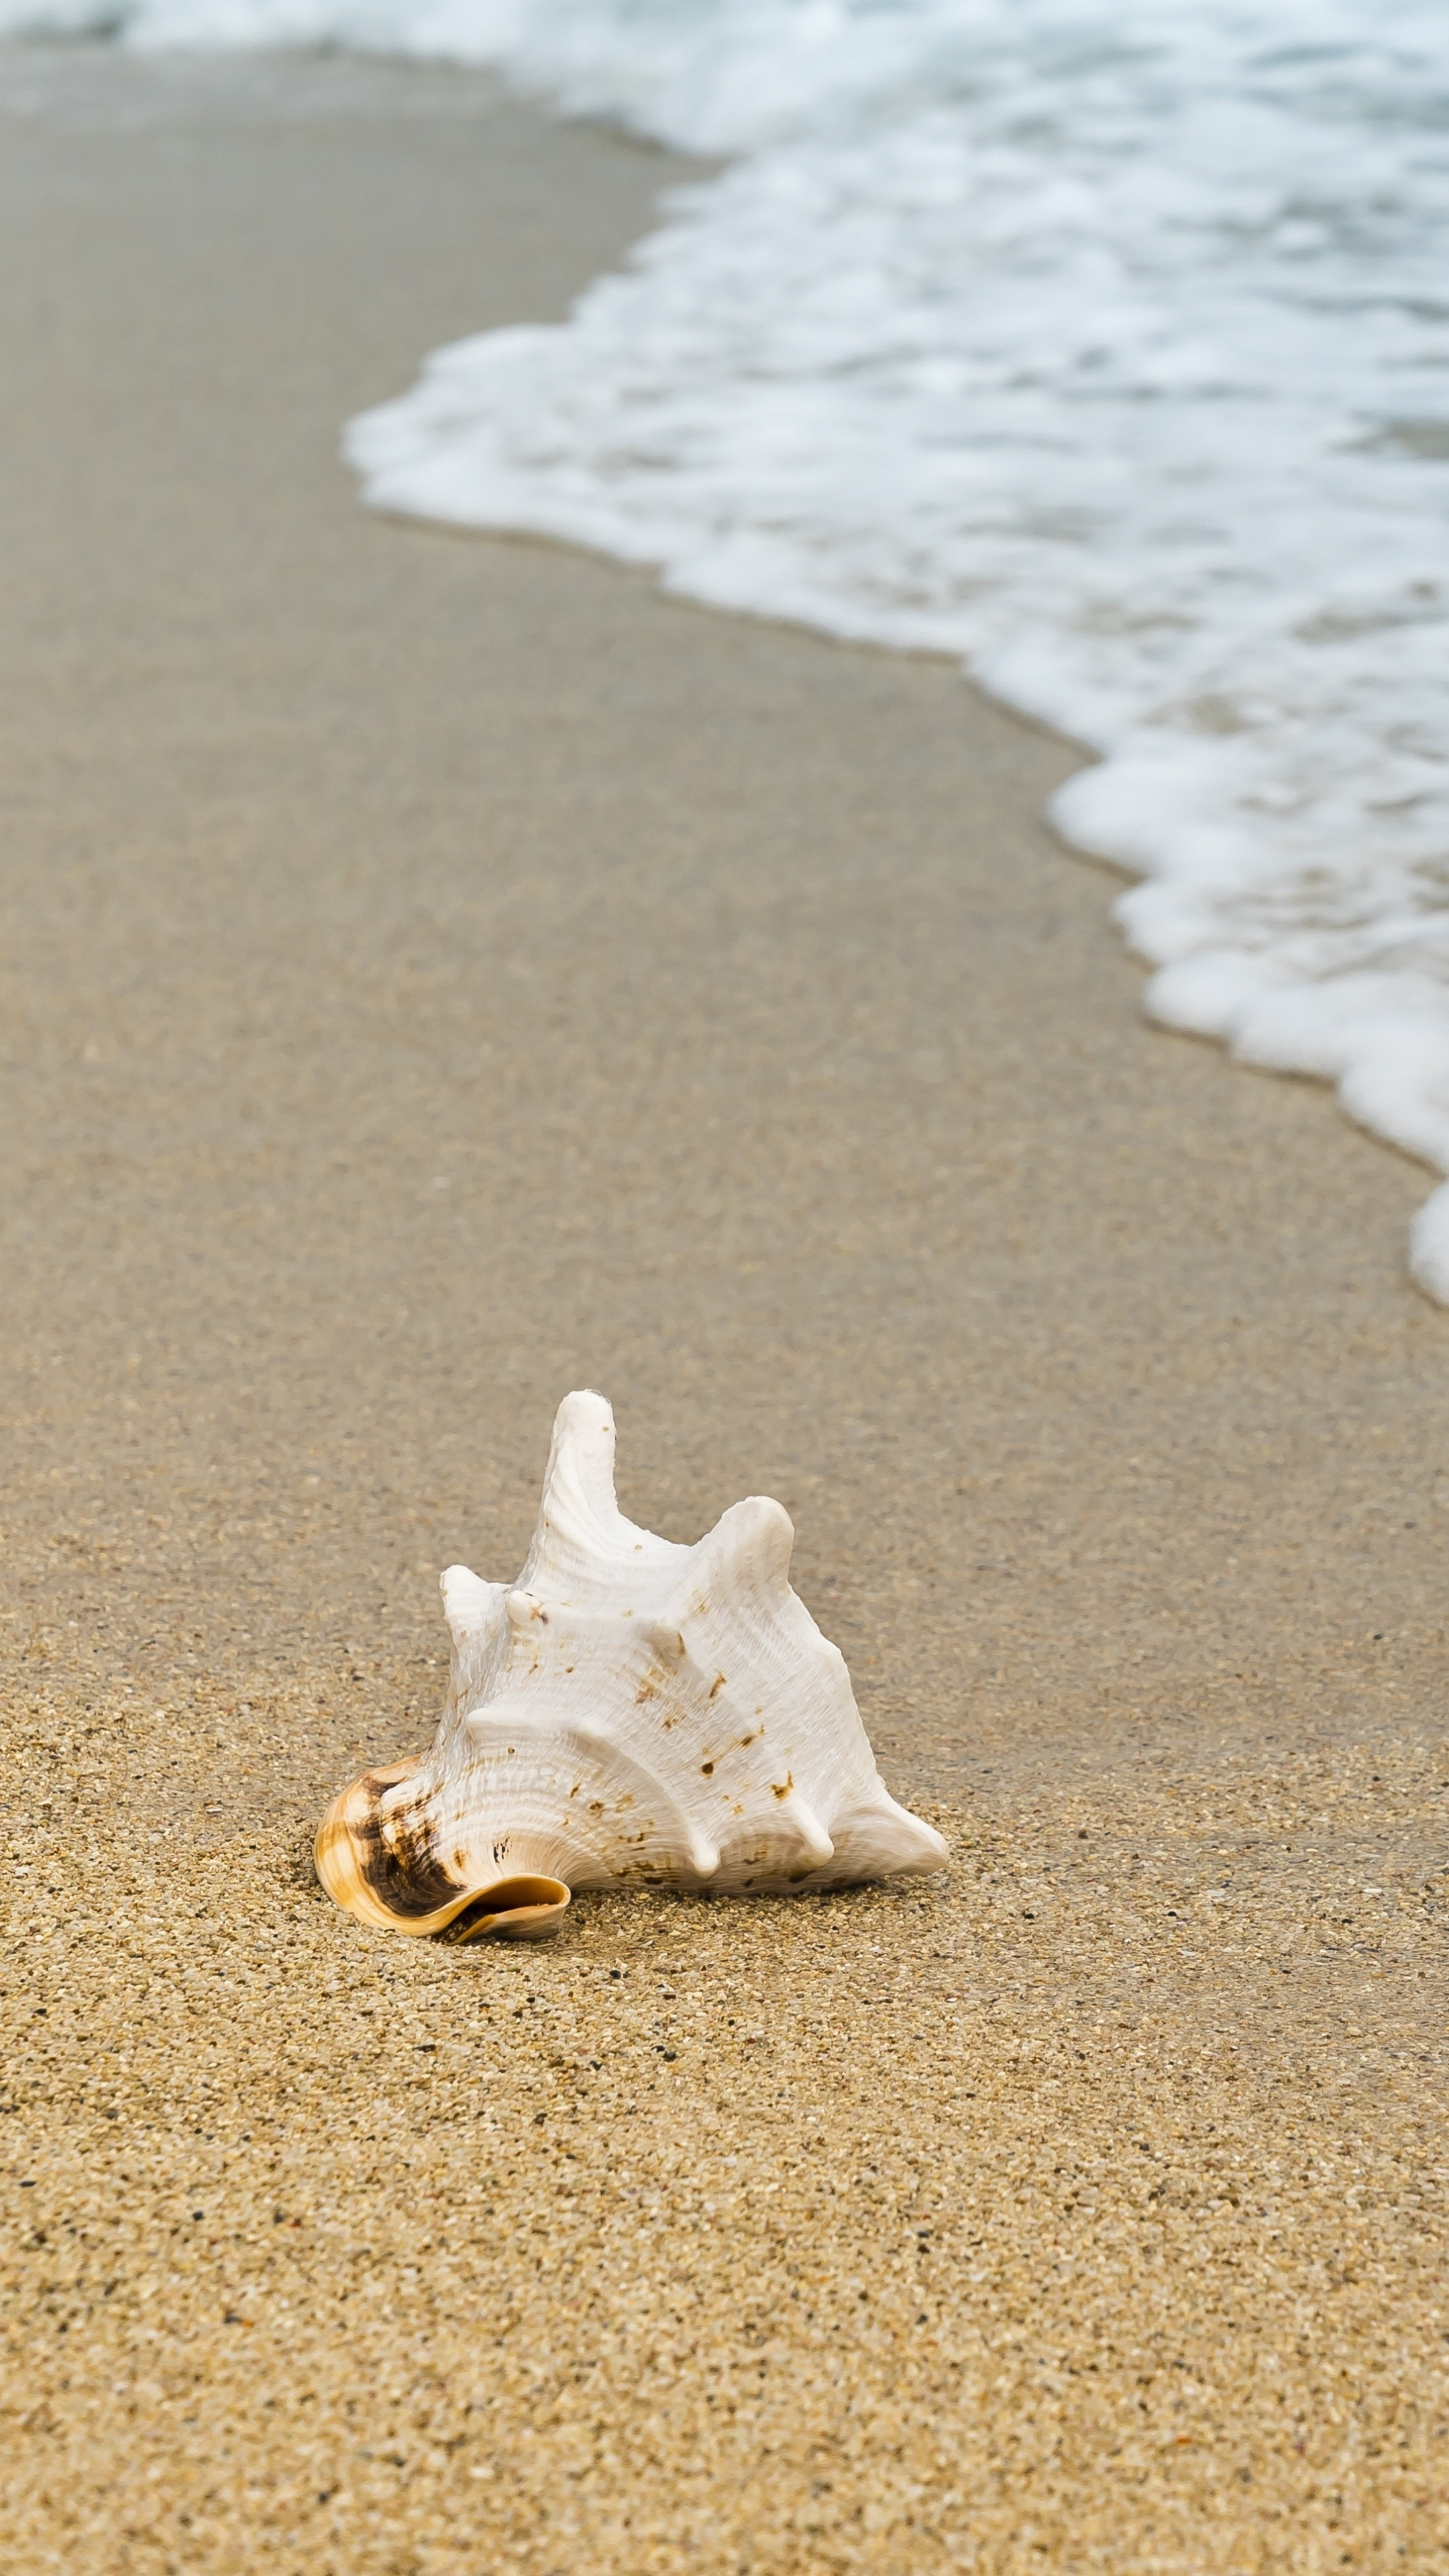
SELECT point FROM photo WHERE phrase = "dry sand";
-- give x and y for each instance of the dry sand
(438, 973)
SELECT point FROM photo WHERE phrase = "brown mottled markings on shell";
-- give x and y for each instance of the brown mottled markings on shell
(782, 1788)
(717, 1685)
(397, 1859)
(708, 1770)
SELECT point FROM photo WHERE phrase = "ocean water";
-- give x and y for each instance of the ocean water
(1106, 347)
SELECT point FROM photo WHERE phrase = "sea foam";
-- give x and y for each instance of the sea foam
(1104, 346)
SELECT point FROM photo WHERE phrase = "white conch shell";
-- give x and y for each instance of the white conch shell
(630, 1713)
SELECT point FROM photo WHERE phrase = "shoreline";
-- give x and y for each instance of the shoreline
(436, 975)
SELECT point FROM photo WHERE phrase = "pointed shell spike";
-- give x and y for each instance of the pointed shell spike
(629, 1713)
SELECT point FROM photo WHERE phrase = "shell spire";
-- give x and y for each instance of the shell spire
(629, 1713)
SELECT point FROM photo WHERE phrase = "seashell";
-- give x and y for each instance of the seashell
(630, 1713)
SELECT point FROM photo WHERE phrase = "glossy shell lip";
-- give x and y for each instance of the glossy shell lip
(361, 1875)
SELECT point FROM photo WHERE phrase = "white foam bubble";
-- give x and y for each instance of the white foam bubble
(1107, 346)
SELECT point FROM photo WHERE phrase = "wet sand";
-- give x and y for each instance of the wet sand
(436, 973)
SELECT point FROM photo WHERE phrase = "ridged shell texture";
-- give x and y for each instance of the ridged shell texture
(630, 1712)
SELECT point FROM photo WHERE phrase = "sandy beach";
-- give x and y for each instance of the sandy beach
(439, 972)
